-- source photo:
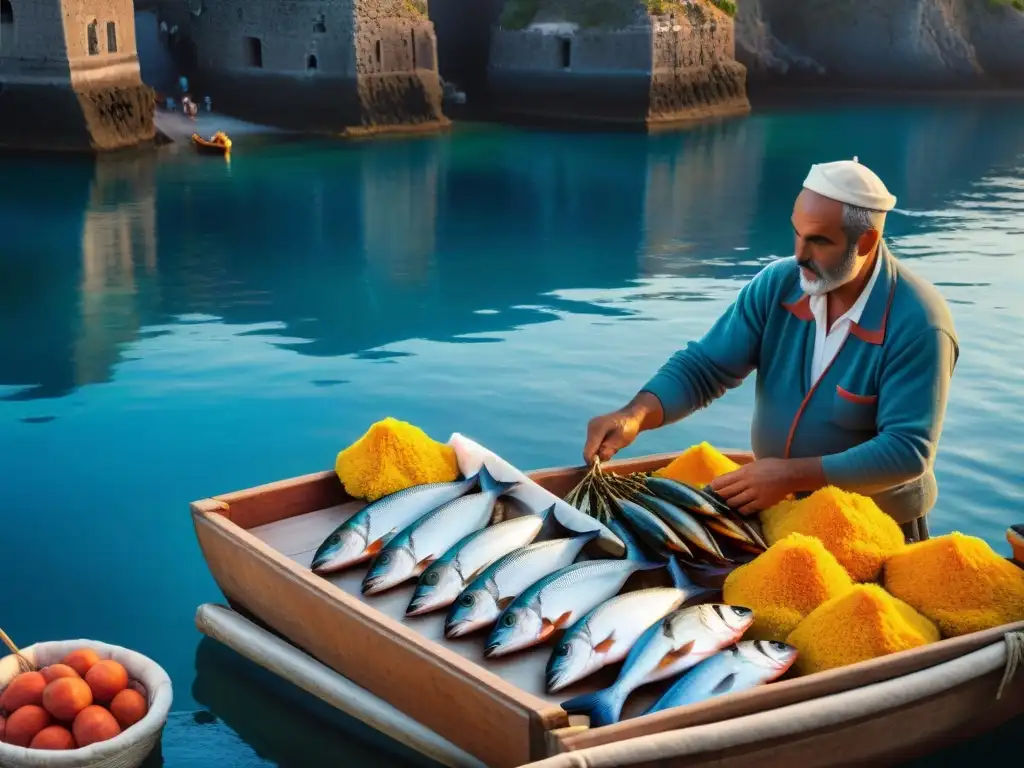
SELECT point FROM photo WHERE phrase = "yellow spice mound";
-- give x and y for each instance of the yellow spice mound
(851, 527)
(958, 582)
(698, 465)
(864, 623)
(391, 456)
(784, 584)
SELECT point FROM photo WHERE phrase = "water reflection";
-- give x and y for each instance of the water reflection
(119, 264)
(345, 249)
(278, 722)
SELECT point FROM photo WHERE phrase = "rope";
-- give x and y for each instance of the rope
(25, 664)
(1014, 659)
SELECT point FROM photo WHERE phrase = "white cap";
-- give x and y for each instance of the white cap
(850, 182)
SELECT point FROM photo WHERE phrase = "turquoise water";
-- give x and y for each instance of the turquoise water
(176, 327)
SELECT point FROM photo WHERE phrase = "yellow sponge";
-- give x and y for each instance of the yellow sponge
(392, 456)
(784, 584)
(851, 526)
(959, 582)
(864, 623)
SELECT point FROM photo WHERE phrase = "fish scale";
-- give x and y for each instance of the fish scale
(559, 599)
(519, 571)
(480, 602)
(410, 552)
(439, 530)
(605, 635)
(441, 583)
(396, 512)
(745, 665)
(490, 543)
(594, 573)
(681, 640)
(374, 525)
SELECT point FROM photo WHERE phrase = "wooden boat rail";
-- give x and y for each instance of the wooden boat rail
(465, 702)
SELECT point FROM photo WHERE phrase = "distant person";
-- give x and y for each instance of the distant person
(207, 104)
(183, 84)
(854, 355)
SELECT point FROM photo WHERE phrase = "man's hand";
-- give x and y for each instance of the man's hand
(609, 434)
(764, 483)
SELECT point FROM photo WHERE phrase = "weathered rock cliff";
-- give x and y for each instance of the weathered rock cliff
(889, 43)
(638, 63)
(354, 66)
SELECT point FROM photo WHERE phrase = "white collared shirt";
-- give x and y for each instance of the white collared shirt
(827, 342)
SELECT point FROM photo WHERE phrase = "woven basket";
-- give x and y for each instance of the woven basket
(128, 749)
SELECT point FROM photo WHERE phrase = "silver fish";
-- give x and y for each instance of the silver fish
(365, 533)
(410, 552)
(441, 583)
(605, 635)
(560, 598)
(683, 523)
(685, 496)
(677, 642)
(471, 456)
(747, 664)
(486, 595)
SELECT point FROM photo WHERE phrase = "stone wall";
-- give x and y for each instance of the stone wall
(319, 65)
(882, 43)
(652, 71)
(69, 76)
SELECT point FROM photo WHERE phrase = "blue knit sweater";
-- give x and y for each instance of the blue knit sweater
(876, 413)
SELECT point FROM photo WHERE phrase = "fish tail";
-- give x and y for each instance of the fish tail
(634, 550)
(489, 485)
(602, 707)
(544, 515)
(679, 578)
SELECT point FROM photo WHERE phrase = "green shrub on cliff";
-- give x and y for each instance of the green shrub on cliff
(661, 7)
(588, 14)
(517, 14)
(1018, 4)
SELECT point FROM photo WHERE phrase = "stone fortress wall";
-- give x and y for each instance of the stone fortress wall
(69, 76)
(70, 79)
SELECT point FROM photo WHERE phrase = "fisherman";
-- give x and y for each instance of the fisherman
(854, 355)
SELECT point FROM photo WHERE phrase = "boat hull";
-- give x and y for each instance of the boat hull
(258, 544)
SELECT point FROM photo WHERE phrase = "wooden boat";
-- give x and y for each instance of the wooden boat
(218, 144)
(258, 544)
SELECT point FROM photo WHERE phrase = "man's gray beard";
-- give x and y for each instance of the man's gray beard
(841, 275)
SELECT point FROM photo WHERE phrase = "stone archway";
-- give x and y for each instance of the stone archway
(6, 12)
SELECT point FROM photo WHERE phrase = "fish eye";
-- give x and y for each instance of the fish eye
(563, 650)
(777, 645)
(467, 600)
(431, 578)
(384, 558)
(334, 539)
(509, 620)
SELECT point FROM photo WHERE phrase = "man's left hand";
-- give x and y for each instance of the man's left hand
(765, 482)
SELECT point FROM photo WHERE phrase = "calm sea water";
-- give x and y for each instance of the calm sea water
(174, 327)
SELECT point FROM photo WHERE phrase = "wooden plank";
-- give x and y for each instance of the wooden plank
(285, 498)
(783, 693)
(890, 737)
(481, 713)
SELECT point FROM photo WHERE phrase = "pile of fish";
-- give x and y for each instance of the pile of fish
(490, 574)
(672, 518)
